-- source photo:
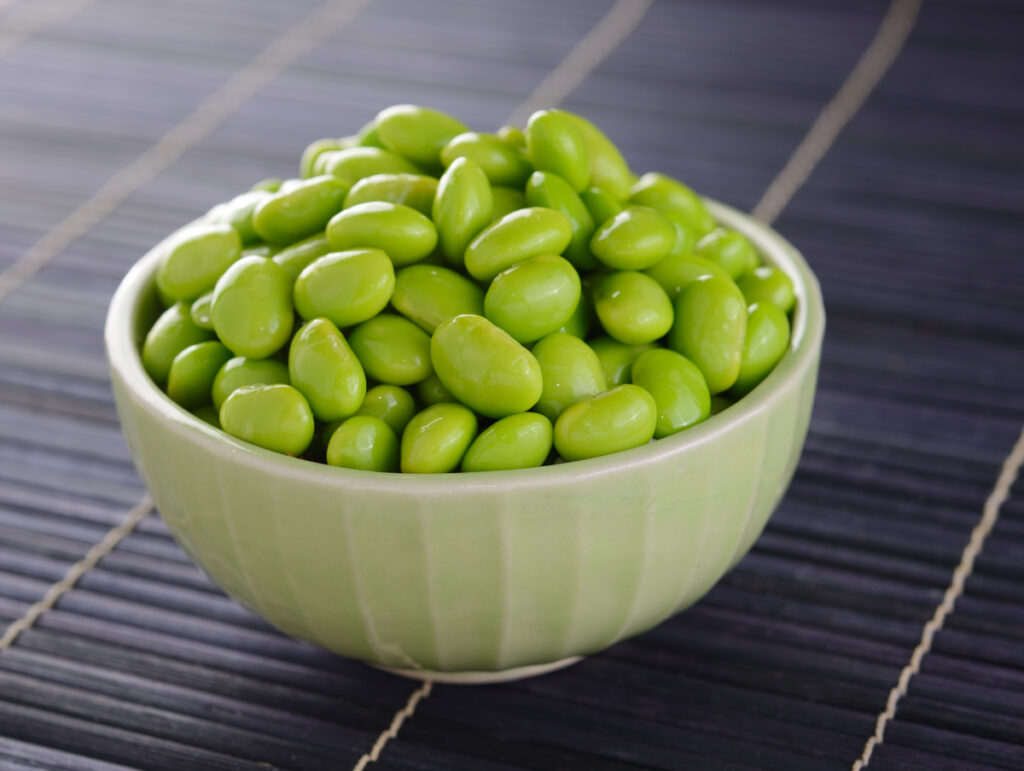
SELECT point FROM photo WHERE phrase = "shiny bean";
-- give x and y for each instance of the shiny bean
(729, 249)
(270, 184)
(241, 371)
(275, 417)
(764, 343)
(172, 333)
(365, 443)
(429, 295)
(677, 386)
(201, 310)
(578, 324)
(616, 358)
(672, 197)
(190, 379)
(608, 169)
(238, 214)
(632, 307)
(601, 204)
(194, 258)
(405, 235)
(518, 441)
(613, 421)
(709, 329)
(417, 133)
(416, 191)
(636, 238)
(484, 367)
(392, 404)
(503, 163)
(323, 367)
(252, 307)
(554, 144)
(571, 372)
(315, 150)
(356, 163)
(296, 257)
(516, 237)
(346, 287)
(432, 391)
(462, 207)
(367, 136)
(552, 192)
(505, 200)
(534, 297)
(290, 215)
(392, 349)
(437, 438)
(513, 135)
(676, 272)
(768, 284)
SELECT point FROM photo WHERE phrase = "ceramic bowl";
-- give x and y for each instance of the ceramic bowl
(472, 577)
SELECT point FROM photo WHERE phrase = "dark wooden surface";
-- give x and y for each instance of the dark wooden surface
(912, 221)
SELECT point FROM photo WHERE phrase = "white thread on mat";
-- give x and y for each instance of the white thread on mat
(76, 571)
(981, 531)
(855, 90)
(26, 20)
(396, 724)
(242, 86)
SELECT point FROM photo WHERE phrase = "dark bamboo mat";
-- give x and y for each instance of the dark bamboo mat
(912, 222)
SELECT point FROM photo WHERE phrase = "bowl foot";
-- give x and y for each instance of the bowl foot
(481, 677)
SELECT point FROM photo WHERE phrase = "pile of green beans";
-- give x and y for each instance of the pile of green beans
(425, 298)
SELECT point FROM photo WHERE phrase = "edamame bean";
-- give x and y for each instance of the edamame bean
(436, 439)
(677, 386)
(608, 169)
(729, 249)
(534, 297)
(201, 310)
(405, 235)
(505, 200)
(190, 379)
(432, 391)
(765, 342)
(429, 295)
(346, 287)
(709, 329)
(238, 214)
(517, 237)
(687, 237)
(632, 307)
(616, 358)
(323, 367)
(518, 441)
(275, 417)
(578, 324)
(720, 402)
(601, 204)
(767, 284)
(416, 191)
(484, 367)
(462, 207)
(172, 333)
(513, 135)
(503, 163)
(672, 197)
(571, 372)
(296, 257)
(392, 349)
(314, 150)
(392, 404)
(418, 133)
(287, 216)
(619, 419)
(194, 258)
(554, 144)
(252, 307)
(260, 250)
(634, 239)
(351, 165)
(270, 184)
(552, 192)
(365, 443)
(208, 414)
(368, 136)
(676, 272)
(241, 371)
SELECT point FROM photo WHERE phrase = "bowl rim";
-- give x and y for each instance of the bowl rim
(125, 362)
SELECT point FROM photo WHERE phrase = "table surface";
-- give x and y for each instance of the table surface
(120, 120)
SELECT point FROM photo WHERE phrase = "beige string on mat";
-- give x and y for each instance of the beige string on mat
(866, 74)
(26, 20)
(243, 85)
(981, 531)
(76, 571)
(392, 730)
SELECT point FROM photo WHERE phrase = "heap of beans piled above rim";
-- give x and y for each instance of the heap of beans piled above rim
(427, 298)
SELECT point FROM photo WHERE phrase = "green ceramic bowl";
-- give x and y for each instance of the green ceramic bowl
(472, 577)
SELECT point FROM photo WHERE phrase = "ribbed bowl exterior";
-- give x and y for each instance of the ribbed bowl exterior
(476, 571)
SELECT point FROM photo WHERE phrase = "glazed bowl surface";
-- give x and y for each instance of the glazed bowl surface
(477, 576)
